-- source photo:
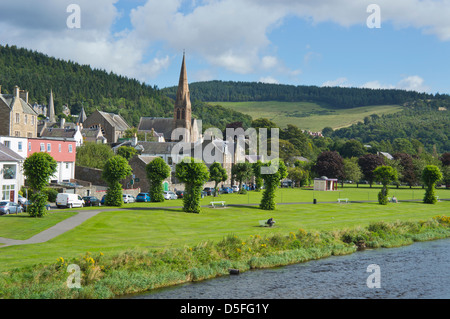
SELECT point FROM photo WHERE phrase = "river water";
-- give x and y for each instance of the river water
(418, 271)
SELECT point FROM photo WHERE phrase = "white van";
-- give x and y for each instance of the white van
(69, 200)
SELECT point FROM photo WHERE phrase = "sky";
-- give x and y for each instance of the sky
(403, 44)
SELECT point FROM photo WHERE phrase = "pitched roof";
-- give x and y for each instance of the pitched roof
(8, 155)
(115, 120)
(9, 99)
(82, 116)
(158, 124)
(58, 132)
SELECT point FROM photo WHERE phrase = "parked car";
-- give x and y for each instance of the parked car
(102, 201)
(91, 201)
(143, 197)
(226, 190)
(209, 190)
(170, 195)
(204, 194)
(69, 200)
(21, 200)
(235, 188)
(28, 204)
(127, 198)
(180, 194)
(7, 208)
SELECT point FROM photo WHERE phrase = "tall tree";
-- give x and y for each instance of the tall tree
(368, 164)
(384, 175)
(277, 172)
(430, 175)
(217, 174)
(157, 171)
(351, 170)
(38, 168)
(115, 169)
(193, 173)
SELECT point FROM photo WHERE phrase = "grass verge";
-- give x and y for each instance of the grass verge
(137, 271)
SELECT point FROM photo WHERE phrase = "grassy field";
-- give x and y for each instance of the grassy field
(308, 116)
(144, 226)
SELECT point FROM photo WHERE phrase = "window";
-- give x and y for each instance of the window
(30, 135)
(29, 146)
(25, 119)
(42, 147)
(49, 147)
(9, 171)
(70, 148)
(59, 148)
(19, 146)
(17, 133)
(6, 191)
(7, 144)
(17, 118)
(67, 165)
(32, 120)
(169, 160)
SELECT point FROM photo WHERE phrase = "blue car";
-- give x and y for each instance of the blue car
(226, 190)
(143, 197)
(102, 201)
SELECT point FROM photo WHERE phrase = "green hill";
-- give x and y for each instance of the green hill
(80, 85)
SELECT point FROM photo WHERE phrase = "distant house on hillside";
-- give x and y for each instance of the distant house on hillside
(113, 126)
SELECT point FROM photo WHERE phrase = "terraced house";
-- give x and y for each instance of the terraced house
(18, 117)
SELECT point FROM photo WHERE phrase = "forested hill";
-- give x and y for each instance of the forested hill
(80, 85)
(335, 97)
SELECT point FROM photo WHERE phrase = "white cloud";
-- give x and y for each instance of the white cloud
(268, 80)
(340, 82)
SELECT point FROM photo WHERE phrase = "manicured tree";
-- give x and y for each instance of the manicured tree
(115, 169)
(330, 164)
(385, 175)
(240, 172)
(157, 171)
(259, 182)
(217, 174)
(38, 168)
(430, 175)
(193, 173)
(278, 172)
(368, 164)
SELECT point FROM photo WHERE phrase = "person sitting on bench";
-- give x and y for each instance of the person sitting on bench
(270, 222)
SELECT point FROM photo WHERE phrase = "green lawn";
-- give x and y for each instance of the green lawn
(140, 227)
(307, 116)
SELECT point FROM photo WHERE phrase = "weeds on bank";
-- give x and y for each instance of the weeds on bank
(136, 271)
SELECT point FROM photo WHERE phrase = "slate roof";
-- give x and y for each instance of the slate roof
(115, 120)
(8, 99)
(158, 124)
(58, 132)
(8, 155)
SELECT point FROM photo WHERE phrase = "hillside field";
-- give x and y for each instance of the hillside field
(306, 115)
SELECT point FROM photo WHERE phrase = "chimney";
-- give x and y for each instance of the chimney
(24, 95)
(16, 91)
(135, 140)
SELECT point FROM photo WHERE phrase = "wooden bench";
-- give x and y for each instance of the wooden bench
(222, 203)
(342, 200)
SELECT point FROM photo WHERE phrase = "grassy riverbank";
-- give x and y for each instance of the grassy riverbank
(140, 270)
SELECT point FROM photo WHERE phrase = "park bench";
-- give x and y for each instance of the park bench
(213, 204)
(342, 200)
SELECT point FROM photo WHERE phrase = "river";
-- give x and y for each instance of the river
(418, 271)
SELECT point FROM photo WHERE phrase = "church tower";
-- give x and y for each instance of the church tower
(182, 110)
(51, 109)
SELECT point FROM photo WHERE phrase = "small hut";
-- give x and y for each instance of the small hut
(325, 184)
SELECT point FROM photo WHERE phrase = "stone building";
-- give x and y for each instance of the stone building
(113, 126)
(17, 116)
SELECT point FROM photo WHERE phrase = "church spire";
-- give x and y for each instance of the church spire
(182, 110)
(51, 109)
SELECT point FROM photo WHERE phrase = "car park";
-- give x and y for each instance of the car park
(91, 201)
(127, 198)
(170, 195)
(7, 208)
(143, 197)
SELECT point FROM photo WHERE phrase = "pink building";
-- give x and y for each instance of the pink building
(62, 150)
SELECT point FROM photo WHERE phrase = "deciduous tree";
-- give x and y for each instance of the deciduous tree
(157, 171)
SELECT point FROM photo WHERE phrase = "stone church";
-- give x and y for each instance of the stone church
(182, 116)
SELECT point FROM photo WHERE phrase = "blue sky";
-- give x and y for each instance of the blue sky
(299, 42)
